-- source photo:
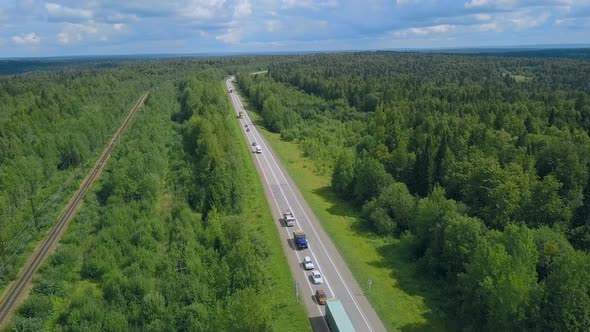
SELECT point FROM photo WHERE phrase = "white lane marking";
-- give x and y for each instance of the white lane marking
(315, 232)
(279, 211)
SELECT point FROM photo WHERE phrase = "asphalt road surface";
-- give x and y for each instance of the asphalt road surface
(283, 195)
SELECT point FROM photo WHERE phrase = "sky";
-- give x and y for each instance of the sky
(35, 28)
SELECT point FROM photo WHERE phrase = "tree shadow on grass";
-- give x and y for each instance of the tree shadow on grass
(340, 207)
(337, 207)
(396, 257)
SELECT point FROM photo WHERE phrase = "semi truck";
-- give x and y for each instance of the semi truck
(337, 318)
(300, 239)
(288, 218)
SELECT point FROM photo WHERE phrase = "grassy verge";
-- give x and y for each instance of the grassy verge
(402, 301)
(288, 315)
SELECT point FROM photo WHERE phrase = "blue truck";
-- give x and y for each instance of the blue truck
(337, 318)
(300, 239)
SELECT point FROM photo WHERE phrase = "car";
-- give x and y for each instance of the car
(320, 296)
(289, 218)
(308, 263)
(316, 277)
(253, 143)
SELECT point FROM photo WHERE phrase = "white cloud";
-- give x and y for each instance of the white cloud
(68, 38)
(201, 9)
(490, 3)
(436, 29)
(231, 36)
(489, 27)
(118, 17)
(118, 26)
(242, 9)
(73, 33)
(297, 3)
(235, 29)
(309, 3)
(572, 22)
(63, 13)
(527, 22)
(273, 25)
(406, 2)
(483, 17)
(30, 39)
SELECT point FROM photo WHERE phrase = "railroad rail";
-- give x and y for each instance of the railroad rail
(17, 289)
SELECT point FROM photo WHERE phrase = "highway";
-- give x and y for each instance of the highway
(283, 195)
(19, 288)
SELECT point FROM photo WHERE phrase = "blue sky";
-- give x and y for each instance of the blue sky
(87, 27)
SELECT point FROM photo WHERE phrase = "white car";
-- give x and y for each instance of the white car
(316, 277)
(308, 263)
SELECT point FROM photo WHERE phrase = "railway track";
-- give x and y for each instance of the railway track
(17, 289)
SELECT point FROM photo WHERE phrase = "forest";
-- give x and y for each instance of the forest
(168, 240)
(480, 164)
(53, 126)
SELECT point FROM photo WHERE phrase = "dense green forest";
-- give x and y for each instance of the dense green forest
(480, 164)
(169, 239)
(51, 127)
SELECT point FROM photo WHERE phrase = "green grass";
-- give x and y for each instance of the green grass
(401, 299)
(520, 78)
(287, 314)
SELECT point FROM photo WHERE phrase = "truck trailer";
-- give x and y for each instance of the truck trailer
(337, 318)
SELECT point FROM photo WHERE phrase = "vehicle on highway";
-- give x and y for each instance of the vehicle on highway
(316, 277)
(289, 218)
(307, 263)
(253, 143)
(337, 318)
(241, 115)
(300, 239)
(320, 296)
(258, 149)
(245, 126)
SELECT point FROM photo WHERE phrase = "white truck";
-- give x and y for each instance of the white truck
(288, 218)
